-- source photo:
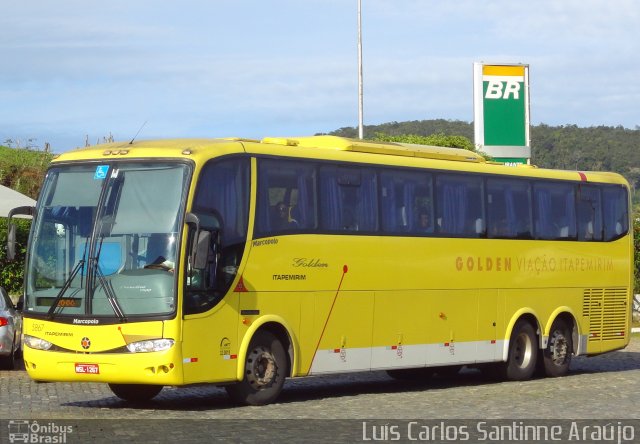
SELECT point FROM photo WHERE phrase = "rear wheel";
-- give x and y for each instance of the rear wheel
(523, 353)
(135, 392)
(264, 371)
(557, 355)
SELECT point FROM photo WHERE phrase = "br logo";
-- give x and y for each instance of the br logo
(502, 89)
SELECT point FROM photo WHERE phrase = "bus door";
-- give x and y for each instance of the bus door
(218, 224)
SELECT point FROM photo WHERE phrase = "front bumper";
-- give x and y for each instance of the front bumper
(157, 368)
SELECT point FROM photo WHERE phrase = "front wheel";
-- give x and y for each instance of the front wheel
(135, 392)
(557, 355)
(523, 353)
(264, 371)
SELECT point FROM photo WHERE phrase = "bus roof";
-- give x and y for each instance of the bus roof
(171, 148)
(387, 148)
(325, 147)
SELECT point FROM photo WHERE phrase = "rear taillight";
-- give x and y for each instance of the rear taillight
(3, 321)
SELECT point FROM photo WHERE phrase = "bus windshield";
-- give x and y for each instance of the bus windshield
(105, 238)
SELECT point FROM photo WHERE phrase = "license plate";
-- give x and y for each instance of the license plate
(88, 369)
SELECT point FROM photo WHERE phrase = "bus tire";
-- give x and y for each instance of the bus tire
(135, 392)
(264, 371)
(411, 374)
(557, 354)
(523, 353)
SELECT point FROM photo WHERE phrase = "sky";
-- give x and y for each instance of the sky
(83, 70)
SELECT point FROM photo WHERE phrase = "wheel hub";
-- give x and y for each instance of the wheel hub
(558, 348)
(262, 369)
(523, 351)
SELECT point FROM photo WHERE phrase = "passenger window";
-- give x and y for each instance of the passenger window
(554, 210)
(406, 202)
(222, 198)
(616, 212)
(460, 206)
(509, 209)
(348, 199)
(589, 208)
(286, 197)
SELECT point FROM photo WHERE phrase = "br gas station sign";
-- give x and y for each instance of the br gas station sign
(501, 111)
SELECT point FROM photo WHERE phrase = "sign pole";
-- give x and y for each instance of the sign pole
(360, 89)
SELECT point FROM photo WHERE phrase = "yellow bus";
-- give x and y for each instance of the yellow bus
(244, 262)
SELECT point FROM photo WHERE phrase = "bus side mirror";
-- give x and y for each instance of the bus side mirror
(11, 242)
(202, 249)
(11, 232)
(20, 304)
(194, 224)
(203, 252)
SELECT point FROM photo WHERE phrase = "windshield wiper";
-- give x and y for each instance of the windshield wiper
(110, 293)
(64, 288)
(104, 283)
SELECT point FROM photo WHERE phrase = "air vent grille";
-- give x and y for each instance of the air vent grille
(608, 313)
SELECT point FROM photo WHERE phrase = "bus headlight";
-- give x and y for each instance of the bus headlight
(36, 343)
(154, 345)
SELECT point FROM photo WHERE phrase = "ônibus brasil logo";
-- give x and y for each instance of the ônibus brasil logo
(34, 432)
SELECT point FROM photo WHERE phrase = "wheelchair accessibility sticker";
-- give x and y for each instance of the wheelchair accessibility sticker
(101, 172)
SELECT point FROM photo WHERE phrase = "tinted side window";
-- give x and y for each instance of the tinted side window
(616, 212)
(286, 197)
(460, 205)
(554, 211)
(589, 207)
(222, 198)
(406, 202)
(348, 199)
(222, 205)
(509, 209)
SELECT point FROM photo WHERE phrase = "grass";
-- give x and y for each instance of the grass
(23, 169)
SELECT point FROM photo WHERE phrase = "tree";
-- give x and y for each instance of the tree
(12, 273)
(636, 248)
(438, 139)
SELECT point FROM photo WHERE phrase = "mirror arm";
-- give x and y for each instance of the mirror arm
(193, 221)
(22, 211)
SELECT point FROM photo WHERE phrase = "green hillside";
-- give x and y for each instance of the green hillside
(23, 169)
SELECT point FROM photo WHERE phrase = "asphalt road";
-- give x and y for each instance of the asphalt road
(342, 408)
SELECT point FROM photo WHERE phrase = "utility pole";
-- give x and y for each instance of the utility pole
(360, 94)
